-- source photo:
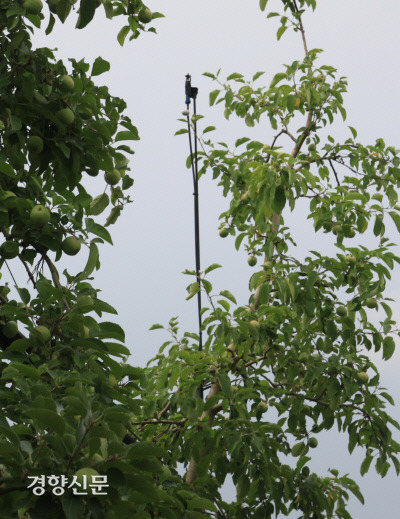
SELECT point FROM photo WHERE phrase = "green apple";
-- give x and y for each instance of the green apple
(303, 357)
(66, 115)
(371, 303)
(341, 311)
(43, 331)
(71, 245)
(363, 377)
(312, 442)
(9, 249)
(112, 177)
(337, 229)
(223, 232)
(33, 6)
(39, 216)
(85, 301)
(351, 258)
(10, 329)
(262, 407)
(85, 477)
(252, 261)
(34, 144)
(145, 16)
(66, 83)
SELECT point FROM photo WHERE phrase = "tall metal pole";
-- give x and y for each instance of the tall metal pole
(191, 93)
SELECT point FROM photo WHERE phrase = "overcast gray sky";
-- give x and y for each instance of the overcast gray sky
(141, 275)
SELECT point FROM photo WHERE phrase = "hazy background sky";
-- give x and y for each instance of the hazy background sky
(141, 275)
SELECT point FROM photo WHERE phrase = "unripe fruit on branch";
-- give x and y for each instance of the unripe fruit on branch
(351, 258)
(341, 311)
(34, 144)
(43, 331)
(9, 250)
(223, 232)
(371, 303)
(185, 112)
(303, 357)
(85, 478)
(262, 407)
(112, 177)
(66, 115)
(39, 216)
(363, 377)
(10, 329)
(337, 229)
(71, 245)
(66, 83)
(33, 6)
(312, 442)
(252, 261)
(145, 16)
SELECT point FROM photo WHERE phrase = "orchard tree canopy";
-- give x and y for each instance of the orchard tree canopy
(275, 370)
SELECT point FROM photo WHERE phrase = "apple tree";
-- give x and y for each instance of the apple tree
(292, 361)
(67, 393)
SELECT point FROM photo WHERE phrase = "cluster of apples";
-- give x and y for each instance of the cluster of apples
(35, 7)
(10, 330)
(65, 115)
(38, 218)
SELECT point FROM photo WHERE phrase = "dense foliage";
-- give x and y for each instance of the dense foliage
(275, 370)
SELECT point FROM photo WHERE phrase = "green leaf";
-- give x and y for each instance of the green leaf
(127, 136)
(225, 383)
(98, 230)
(263, 4)
(277, 78)
(114, 215)
(156, 326)
(47, 419)
(87, 9)
(111, 331)
(366, 464)
(279, 201)
(282, 29)
(209, 129)
(201, 502)
(93, 260)
(123, 34)
(74, 507)
(100, 66)
(145, 450)
(7, 169)
(99, 203)
(63, 9)
(396, 219)
(388, 347)
(258, 74)
(212, 267)
(213, 96)
(228, 295)
(192, 289)
(378, 225)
